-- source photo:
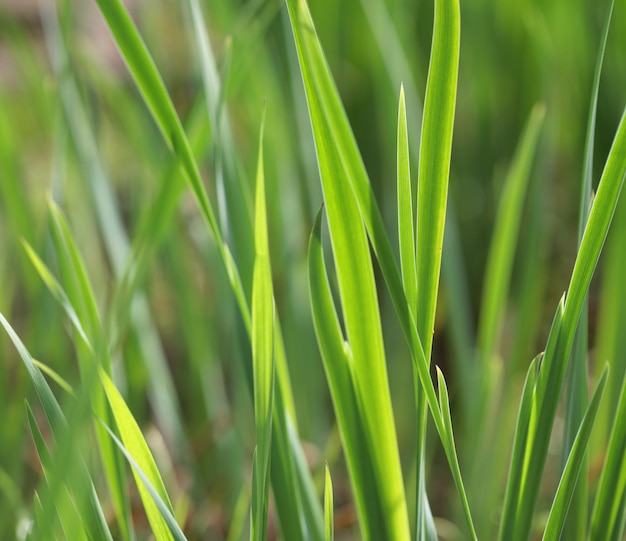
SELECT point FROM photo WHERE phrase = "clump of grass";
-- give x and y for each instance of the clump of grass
(92, 434)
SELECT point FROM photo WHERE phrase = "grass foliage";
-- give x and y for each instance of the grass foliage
(239, 329)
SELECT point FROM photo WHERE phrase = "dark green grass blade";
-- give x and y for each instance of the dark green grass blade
(68, 515)
(65, 435)
(553, 368)
(156, 97)
(521, 437)
(609, 508)
(574, 466)
(576, 525)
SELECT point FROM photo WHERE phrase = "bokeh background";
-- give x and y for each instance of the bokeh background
(193, 349)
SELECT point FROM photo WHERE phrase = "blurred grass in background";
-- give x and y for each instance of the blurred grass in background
(181, 361)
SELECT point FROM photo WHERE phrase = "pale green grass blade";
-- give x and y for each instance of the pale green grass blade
(70, 518)
(339, 373)
(553, 368)
(332, 136)
(137, 447)
(406, 228)
(262, 357)
(328, 506)
(163, 506)
(506, 232)
(609, 508)
(434, 161)
(359, 302)
(574, 467)
(576, 525)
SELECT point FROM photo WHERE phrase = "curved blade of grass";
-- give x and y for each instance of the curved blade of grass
(339, 373)
(609, 508)
(137, 447)
(328, 506)
(553, 368)
(574, 466)
(163, 506)
(262, 356)
(576, 524)
(521, 437)
(337, 151)
(406, 232)
(156, 97)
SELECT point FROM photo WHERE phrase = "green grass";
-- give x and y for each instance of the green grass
(283, 271)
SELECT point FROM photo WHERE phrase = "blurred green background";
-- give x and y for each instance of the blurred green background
(513, 55)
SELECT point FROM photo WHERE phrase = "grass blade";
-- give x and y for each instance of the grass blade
(573, 466)
(328, 505)
(137, 448)
(406, 229)
(262, 357)
(609, 509)
(576, 524)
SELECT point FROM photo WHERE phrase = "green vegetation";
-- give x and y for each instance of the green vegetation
(225, 320)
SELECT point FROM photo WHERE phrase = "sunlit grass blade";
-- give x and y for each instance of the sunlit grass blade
(553, 368)
(361, 316)
(609, 509)
(432, 196)
(576, 525)
(328, 506)
(262, 357)
(406, 227)
(574, 467)
(339, 372)
(339, 160)
(164, 508)
(137, 447)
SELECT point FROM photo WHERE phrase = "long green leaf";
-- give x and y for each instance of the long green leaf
(553, 368)
(406, 227)
(137, 447)
(262, 356)
(339, 373)
(573, 466)
(609, 509)
(576, 525)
